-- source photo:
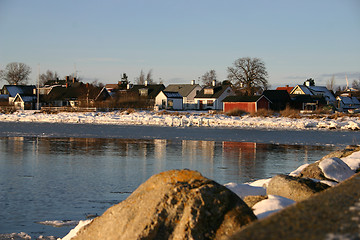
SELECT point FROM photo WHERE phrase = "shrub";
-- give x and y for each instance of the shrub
(262, 113)
(290, 112)
(236, 112)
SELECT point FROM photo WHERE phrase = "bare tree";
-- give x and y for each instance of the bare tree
(331, 83)
(356, 84)
(142, 78)
(48, 75)
(16, 73)
(249, 74)
(208, 77)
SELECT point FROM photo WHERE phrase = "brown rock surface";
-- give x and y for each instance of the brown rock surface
(252, 200)
(294, 188)
(331, 214)
(177, 204)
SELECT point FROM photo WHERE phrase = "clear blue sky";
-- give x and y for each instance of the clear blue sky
(181, 40)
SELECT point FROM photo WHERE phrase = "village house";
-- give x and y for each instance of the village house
(309, 88)
(23, 97)
(210, 97)
(169, 101)
(348, 104)
(279, 99)
(248, 104)
(188, 93)
(76, 95)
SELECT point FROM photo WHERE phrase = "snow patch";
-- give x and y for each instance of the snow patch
(335, 169)
(271, 205)
(74, 231)
(353, 160)
(243, 190)
(298, 170)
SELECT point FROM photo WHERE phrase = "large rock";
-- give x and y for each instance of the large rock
(294, 188)
(177, 204)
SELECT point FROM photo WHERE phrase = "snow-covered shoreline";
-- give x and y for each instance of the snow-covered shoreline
(185, 119)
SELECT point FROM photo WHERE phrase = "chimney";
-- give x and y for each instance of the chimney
(192, 82)
(214, 83)
(67, 85)
(74, 80)
(287, 86)
(146, 82)
(67, 78)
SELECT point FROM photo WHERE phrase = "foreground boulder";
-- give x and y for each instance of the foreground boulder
(294, 188)
(177, 204)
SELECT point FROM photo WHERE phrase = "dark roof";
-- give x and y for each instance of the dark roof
(218, 90)
(68, 93)
(242, 98)
(153, 89)
(183, 89)
(172, 94)
(24, 90)
(277, 95)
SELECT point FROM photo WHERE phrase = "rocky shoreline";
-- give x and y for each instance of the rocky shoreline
(182, 204)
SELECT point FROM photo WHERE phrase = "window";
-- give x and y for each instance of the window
(210, 103)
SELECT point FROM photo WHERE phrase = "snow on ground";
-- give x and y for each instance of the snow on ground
(183, 119)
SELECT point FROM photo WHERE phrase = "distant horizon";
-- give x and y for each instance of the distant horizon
(180, 41)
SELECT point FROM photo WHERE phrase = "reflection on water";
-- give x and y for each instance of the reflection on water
(69, 178)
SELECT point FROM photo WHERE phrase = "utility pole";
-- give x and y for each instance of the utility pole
(38, 90)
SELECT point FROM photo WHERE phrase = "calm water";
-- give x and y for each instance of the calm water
(70, 178)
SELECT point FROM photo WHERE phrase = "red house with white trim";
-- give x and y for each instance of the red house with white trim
(248, 104)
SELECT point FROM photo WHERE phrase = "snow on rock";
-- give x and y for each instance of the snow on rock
(298, 170)
(243, 190)
(74, 231)
(271, 205)
(335, 169)
(353, 161)
(260, 183)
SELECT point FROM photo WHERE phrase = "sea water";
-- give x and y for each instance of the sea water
(61, 180)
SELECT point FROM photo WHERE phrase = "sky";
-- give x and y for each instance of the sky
(179, 41)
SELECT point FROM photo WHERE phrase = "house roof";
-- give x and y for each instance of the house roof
(349, 100)
(183, 89)
(21, 89)
(288, 89)
(25, 98)
(303, 88)
(80, 91)
(218, 91)
(277, 95)
(153, 89)
(323, 91)
(172, 94)
(243, 98)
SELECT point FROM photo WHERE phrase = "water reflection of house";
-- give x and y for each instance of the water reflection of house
(240, 150)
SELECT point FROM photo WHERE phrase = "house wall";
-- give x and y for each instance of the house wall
(263, 103)
(177, 103)
(243, 106)
(158, 100)
(205, 103)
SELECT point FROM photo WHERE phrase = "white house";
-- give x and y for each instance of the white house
(210, 97)
(169, 101)
(188, 93)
